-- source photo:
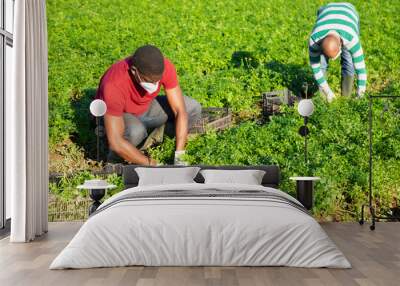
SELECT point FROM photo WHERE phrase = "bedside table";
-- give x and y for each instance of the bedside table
(305, 190)
(97, 190)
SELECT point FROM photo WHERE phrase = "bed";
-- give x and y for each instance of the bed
(201, 224)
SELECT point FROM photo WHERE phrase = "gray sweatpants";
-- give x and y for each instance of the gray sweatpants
(159, 113)
(137, 128)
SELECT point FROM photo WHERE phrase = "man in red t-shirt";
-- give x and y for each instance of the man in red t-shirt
(129, 89)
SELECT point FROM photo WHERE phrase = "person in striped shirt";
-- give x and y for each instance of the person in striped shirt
(336, 34)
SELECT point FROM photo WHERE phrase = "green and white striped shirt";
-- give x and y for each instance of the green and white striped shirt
(343, 19)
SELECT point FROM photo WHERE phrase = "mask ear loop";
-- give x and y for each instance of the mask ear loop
(134, 70)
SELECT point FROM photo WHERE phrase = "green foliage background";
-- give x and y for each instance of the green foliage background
(227, 53)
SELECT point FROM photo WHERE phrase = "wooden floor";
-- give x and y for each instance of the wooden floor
(375, 257)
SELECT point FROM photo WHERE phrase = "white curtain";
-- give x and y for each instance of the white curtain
(27, 124)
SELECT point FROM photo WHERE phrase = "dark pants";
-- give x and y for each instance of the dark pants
(346, 62)
(137, 128)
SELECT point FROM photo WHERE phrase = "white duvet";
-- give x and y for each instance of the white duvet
(203, 231)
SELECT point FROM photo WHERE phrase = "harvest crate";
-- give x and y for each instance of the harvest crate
(214, 118)
(272, 101)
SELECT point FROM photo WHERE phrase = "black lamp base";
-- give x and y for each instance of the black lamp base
(96, 195)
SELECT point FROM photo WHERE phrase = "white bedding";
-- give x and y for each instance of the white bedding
(188, 231)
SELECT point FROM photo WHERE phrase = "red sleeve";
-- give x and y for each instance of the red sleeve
(170, 78)
(114, 99)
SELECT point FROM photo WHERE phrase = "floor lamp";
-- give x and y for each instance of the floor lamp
(370, 206)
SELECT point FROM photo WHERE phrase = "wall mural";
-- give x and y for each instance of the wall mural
(222, 83)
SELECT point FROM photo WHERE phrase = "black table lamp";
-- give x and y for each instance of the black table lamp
(98, 108)
(305, 109)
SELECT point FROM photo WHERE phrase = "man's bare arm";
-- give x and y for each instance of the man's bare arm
(115, 127)
(175, 100)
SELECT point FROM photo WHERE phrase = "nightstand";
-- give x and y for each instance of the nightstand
(305, 190)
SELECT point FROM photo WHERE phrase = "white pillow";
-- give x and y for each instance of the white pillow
(248, 177)
(166, 176)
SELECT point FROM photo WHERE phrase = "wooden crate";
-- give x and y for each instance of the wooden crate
(212, 118)
(272, 101)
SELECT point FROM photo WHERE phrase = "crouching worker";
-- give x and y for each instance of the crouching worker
(336, 35)
(136, 116)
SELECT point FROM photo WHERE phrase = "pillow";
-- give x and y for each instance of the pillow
(166, 176)
(249, 177)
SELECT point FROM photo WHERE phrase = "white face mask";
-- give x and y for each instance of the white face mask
(149, 86)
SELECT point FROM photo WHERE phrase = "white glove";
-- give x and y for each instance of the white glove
(360, 93)
(178, 160)
(330, 96)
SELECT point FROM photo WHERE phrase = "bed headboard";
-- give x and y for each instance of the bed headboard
(271, 178)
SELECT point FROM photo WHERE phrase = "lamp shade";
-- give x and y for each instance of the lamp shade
(98, 107)
(305, 107)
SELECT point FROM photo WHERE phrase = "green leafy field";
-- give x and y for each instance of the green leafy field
(226, 54)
